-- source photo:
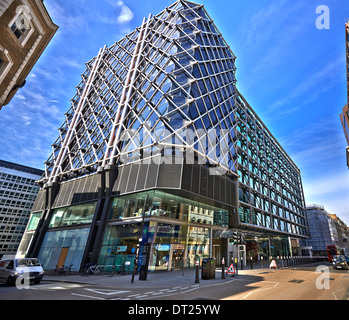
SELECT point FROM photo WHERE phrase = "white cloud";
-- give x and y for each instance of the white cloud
(126, 15)
(331, 191)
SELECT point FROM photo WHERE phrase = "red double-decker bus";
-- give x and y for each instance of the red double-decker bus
(332, 250)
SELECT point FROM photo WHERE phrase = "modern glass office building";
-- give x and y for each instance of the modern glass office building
(18, 191)
(161, 158)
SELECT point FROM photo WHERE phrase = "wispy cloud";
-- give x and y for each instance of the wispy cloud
(314, 142)
(324, 78)
(126, 15)
(68, 21)
(261, 25)
(330, 190)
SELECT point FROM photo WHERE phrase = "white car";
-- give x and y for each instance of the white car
(11, 269)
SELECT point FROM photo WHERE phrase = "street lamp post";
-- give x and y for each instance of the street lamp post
(134, 272)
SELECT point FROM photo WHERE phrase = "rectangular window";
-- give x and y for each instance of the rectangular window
(73, 215)
(20, 27)
(34, 221)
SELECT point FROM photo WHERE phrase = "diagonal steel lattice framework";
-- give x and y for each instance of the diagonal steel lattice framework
(173, 74)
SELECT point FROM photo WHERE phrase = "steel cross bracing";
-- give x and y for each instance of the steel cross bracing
(174, 73)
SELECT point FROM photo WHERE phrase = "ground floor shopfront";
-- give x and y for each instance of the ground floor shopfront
(165, 246)
(154, 228)
(162, 246)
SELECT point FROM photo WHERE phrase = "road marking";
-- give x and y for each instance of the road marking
(257, 290)
(334, 293)
(86, 296)
(107, 292)
(54, 287)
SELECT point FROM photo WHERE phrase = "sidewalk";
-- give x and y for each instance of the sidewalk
(160, 279)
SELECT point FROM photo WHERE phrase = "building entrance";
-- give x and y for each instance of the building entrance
(178, 257)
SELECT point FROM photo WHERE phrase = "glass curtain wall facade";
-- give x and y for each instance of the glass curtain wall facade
(270, 187)
(156, 137)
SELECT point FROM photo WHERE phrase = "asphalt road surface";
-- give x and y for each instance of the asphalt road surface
(300, 283)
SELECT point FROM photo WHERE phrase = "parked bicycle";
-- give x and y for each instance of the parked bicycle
(120, 269)
(90, 269)
(60, 271)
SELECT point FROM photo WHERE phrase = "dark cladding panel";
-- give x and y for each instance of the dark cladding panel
(86, 191)
(142, 174)
(228, 191)
(210, 185)
(187, 176)
(222, 190)
(195, 179)
(116, 187)
(78, 192)
(133, 177)
(95, 186)
(170, 176)
(203, 181)
(152, 175)
(59, 199)
(124, 179)
(39, 204)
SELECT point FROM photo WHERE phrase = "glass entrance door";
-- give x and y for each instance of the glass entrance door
(177, 258)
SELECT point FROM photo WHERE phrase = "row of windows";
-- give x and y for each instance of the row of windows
(253, 131)
(8, 247)
(272, 183)
(267, 188)
(10, 238)
(267, 184)
(18, 195)
(6, 211)
(13, 229)
(32, 188)
(13, 220)
(15, 179)
(13, 203)
(257, 159)
(258, 155)
(283, 208)
(258, 218)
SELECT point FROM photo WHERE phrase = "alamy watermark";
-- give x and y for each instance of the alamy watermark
(163, 146)
(23, 279)
(323, 20)
(323, 280)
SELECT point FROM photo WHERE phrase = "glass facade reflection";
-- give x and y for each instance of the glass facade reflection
(270, 186)
(73, 215)
(64, 246)
(34, 221)
(161, 204)
(171, 246)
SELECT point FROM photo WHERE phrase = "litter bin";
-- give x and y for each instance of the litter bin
(208, 269)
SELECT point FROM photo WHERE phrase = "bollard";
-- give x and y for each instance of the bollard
(197, 272)
(251, 263)
(262, 262)
(242, 263)
(223, 272)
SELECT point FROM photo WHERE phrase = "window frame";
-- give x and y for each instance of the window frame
(25, 12)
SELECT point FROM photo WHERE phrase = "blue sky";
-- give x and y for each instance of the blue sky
(291, 73)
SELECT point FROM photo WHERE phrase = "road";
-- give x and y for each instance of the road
(300, 283)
